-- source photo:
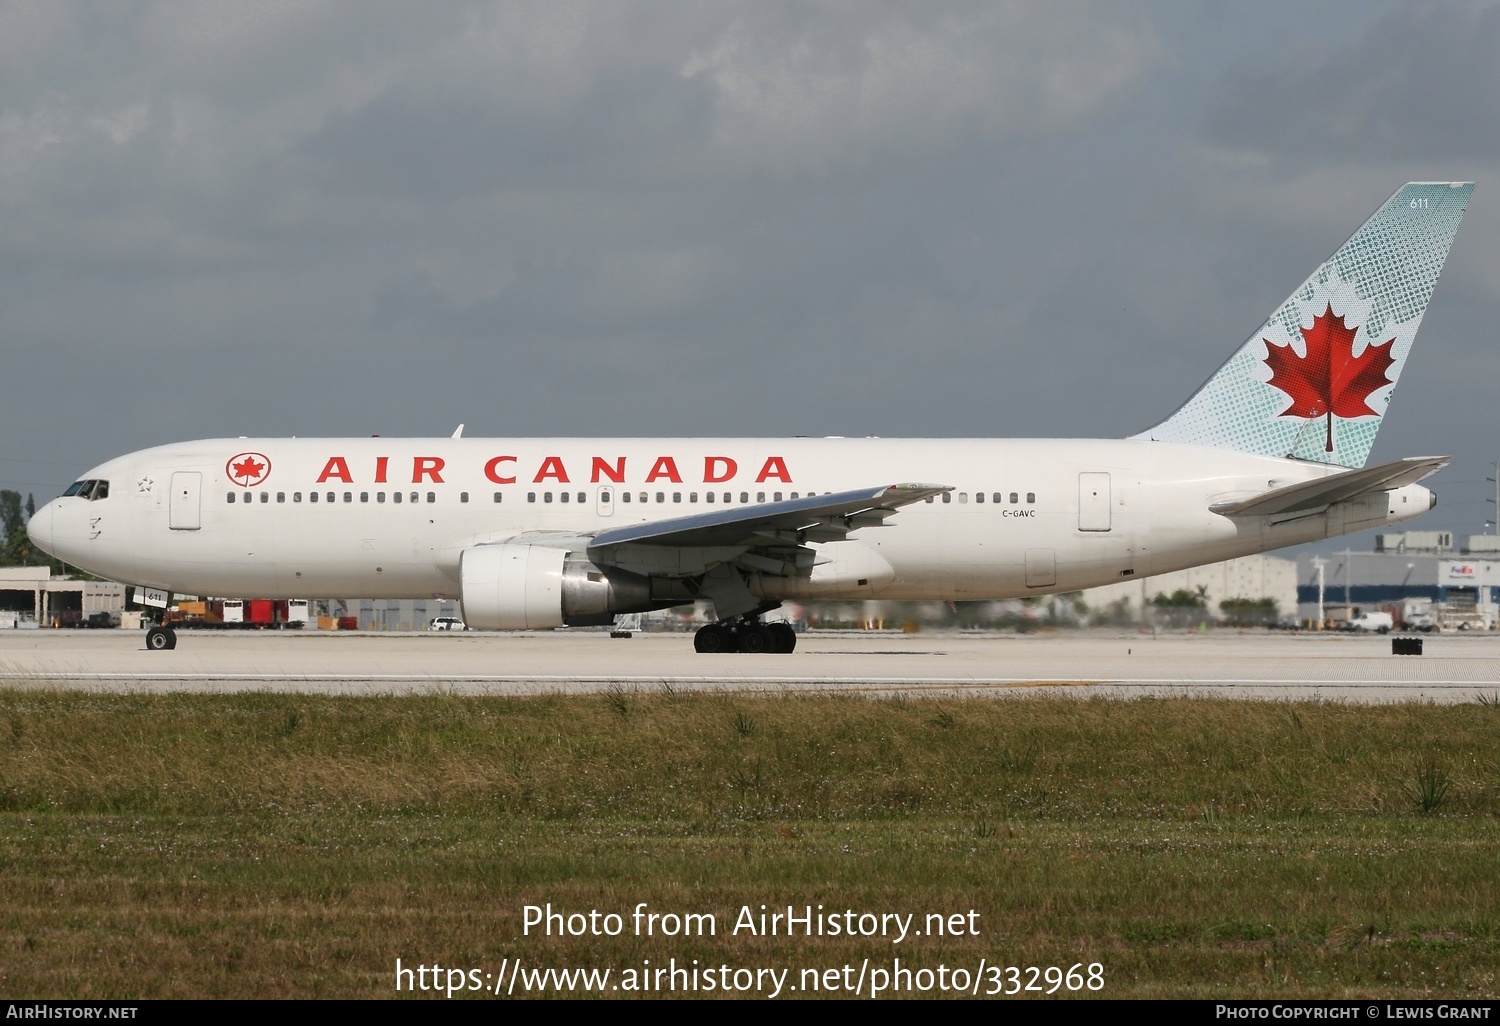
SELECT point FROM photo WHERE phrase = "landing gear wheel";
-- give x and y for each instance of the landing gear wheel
(783, 635)
(756, 637)
(160, 639)
(714, 638)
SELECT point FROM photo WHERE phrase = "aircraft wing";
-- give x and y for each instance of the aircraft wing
(826, 517)
(1335, 488)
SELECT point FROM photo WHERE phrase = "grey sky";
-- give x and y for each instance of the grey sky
(954, 219)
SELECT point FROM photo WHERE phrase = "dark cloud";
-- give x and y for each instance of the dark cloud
(641, 218)
(1418, 84)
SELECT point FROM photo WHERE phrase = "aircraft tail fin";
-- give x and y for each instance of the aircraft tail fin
(1314, 382)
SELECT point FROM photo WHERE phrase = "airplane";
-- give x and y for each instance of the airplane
(536, 533)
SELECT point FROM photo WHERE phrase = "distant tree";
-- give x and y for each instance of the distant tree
(12, 524)
(1182, 599)
(15, 546)
(1247, 612)
(1182, 608)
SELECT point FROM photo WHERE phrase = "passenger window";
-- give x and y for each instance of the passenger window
(963, 497)
(265, 496)
(312, 496)
(727, 496)
(348, 496)
(566, 496)
(531, 496)
(978, 496)
(546, 496)
(661, 496)
(676, 496)
(414, 496)
(624, 496)
(497, 496)
(463, 496)
(583, 497)
(364, 496)
(708, 496)
(395, 496)
(1014, 498)
(330, 496)
(997, 497)
(296, 496)
(760, 496)
(281, 496)
(603, 496)
(1031, 497)
(744, 496)
(229, 497)
(380, 496)
(432, 496)
(778, 496)
(947, 497)
(692, 497)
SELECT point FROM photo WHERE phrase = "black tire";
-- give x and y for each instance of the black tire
(784, 637)
(714, 638)
(161, 639)
(756, 638)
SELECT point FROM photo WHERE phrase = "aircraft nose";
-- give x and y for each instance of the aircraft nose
(39, 529)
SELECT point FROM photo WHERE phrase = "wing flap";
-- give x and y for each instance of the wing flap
(1325, 491)
(827, 517)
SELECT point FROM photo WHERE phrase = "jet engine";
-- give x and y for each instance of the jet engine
(521, 587)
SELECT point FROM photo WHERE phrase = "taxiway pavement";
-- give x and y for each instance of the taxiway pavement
(1453, 668)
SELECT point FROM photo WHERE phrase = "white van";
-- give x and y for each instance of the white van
(1380, 623)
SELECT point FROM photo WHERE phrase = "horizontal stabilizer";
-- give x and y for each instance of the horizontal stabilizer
(1325, 491)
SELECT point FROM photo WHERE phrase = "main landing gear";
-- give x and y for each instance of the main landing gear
(748, 635)
(159, 638)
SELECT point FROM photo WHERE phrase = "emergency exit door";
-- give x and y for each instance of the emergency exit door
(185, 511)
(1093, 502)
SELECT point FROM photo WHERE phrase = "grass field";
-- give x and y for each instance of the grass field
(272, 845)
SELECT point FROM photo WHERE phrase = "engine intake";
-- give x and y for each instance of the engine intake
(523, 587)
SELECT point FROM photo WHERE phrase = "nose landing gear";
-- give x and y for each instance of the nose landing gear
(747, 635)
(160, 639)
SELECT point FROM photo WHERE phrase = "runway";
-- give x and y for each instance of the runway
(1454, 668)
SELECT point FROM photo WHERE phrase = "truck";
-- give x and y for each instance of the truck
(241, 614)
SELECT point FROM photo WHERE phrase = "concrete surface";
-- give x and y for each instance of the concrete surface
(1454, 668)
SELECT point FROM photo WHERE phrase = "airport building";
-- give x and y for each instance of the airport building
(1416, 576)
(390, 614)
(31, 597)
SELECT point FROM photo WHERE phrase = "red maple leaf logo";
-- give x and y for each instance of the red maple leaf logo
(248, 468)
(1330, 381)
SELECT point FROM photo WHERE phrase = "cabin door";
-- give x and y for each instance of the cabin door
(186, 510)
(1093, 502)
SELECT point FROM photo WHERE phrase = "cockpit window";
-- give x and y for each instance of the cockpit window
(92, 489)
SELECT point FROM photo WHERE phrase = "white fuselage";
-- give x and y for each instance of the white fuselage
(393, 515)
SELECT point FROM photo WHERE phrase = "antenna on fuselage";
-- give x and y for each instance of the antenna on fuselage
(460, 432)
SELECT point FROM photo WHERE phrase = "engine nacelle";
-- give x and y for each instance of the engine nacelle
(523, 587)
